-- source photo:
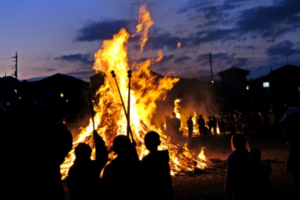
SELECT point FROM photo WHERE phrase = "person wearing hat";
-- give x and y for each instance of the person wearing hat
(292, 120)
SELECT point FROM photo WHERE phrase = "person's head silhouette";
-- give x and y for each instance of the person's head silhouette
(121, 145)
(238, 142)
(256, 154)
(152, 141)
(83, 152)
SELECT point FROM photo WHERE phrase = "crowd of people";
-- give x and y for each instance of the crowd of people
(237, 122)
(247, 177)
(32, 155)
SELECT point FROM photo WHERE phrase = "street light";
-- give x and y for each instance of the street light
(61, 95)
(247, 87)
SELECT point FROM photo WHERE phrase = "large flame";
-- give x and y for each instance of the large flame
(110, 119)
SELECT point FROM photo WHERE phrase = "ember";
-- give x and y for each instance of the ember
(146, 89)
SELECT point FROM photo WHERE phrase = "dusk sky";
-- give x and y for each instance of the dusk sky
(61, 36)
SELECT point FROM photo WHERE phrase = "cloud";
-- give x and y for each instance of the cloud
(216, 56)
(249, 47)
(166, 59)
(50, 69)
(82, 74)
(81, 58)
(167, 40)
(240, 62)
(282, 48)
(270, 21)
(101, 30)
(182, 59)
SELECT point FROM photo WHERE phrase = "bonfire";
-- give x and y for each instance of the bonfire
(146, 90)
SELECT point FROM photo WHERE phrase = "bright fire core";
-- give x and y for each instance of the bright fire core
(110, 119)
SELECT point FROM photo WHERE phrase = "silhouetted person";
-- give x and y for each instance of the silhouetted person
(262, 187)
(83, 179)
(190, 126)
(214, 124)
(239, 174)
(156, 170)
(292, 120)
(222, 126)
(121, 178)
(32, 164)
(175, 124)
(210, 124)
(201, 124)
(232, 127)
(59, 140)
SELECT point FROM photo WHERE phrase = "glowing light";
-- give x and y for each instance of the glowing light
(61, 95)
(178, 44)
(266, 84)
(110, 119)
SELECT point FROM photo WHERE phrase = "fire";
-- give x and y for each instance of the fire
(145, 22)
(159, 56)
(146, 89)
(201, 154)
(176, 108)
(178, 44)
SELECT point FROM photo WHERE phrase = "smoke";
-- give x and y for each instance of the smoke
(196, 97)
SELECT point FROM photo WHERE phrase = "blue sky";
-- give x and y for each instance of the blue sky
(61, 36)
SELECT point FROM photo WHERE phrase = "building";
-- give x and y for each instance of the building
(285, 84)
(234, 89)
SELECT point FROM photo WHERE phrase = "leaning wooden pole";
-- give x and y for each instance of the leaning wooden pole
(128, 105)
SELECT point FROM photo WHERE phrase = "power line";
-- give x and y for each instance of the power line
(5, 58)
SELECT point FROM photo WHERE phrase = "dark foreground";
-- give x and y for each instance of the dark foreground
(210, 185)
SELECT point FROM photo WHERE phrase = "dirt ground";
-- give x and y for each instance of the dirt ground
(210, 184)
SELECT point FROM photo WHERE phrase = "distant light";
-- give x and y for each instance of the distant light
(212, 82)
(16, 91)
(93, 101)
(67, 100)
(19, 98)
(266, 84)
(247, 87)
(61, 95)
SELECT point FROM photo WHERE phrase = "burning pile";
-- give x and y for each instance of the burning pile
(110, 119)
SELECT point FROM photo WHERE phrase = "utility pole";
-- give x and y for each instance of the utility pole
(16, 65)
(211, 70)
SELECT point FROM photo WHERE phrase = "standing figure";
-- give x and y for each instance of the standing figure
(222, 126)
(190, 126)
(210, 124)
(156, 170)
(84, 176)
(122, 175)
(262, 187)
(175, 124)
(214, 124)
(201, 124)
(292, 119)
(239, 173)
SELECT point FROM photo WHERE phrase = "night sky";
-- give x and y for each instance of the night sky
(61, 36)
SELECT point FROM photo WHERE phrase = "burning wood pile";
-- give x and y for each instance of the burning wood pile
(146, 89)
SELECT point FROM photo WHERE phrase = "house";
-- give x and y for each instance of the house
(285, 84)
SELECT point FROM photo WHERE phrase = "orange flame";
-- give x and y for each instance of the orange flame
(145, 22)
(110, 119)
(159, 56)
(178, 44)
